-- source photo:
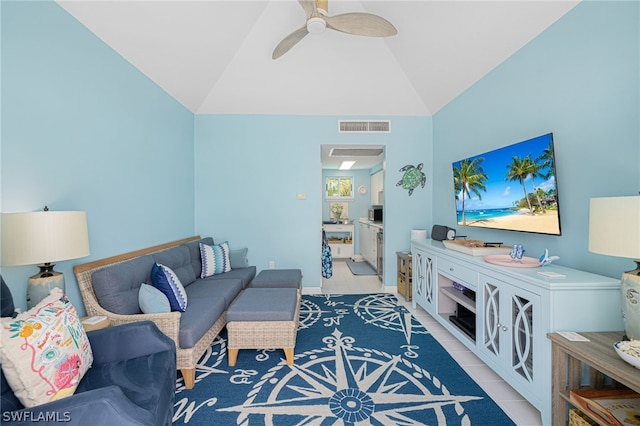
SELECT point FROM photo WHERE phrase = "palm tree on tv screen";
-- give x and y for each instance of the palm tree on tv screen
(518, 170)
(536, 169)
(547, 160)
(469, 177)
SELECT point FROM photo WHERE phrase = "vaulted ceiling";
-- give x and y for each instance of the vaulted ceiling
(214, 57)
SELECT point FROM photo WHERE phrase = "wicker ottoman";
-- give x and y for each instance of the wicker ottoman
(278, 278)
(263, 318)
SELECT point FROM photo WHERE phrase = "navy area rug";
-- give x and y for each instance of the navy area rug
(359, 360)
(360, 268)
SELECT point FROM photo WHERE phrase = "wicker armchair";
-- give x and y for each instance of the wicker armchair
(168, 323)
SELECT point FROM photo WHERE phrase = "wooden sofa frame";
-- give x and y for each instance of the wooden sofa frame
(168, 323)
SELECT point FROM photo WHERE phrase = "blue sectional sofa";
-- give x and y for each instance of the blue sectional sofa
(110, 287)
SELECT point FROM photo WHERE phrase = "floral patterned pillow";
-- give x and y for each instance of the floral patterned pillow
(44, 351)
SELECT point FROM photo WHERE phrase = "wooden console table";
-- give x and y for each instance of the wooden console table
(599, 354)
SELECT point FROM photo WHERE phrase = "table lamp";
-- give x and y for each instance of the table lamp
(614, 230)
(41, 238)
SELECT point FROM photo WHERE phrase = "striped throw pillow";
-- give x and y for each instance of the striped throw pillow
(215, 259)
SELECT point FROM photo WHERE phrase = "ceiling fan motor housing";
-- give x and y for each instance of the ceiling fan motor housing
(316, 25)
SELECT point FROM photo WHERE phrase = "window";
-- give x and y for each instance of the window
(339, 188)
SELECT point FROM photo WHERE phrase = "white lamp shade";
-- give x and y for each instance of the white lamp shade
(614, 226)
(43, 237)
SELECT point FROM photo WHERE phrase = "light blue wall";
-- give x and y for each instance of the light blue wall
(250, 168)
(579, 80)
(82, 129)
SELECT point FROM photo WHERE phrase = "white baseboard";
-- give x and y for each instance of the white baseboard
(318, 290)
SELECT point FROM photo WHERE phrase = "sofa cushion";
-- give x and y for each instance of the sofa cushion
(194, 253)
(227, 289)
(45, 351)
(264, 304)
(278, 278)
(116, 287)
(132, 377)
(238, 258)
(8, 309)
(8, 402)
(203, 312)
(165, 280)
(179, 260)
(152, 300)
(215, 259)
(243, 274)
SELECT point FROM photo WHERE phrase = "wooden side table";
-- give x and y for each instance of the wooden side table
(95, 323)
(599, 354)
(404, 274)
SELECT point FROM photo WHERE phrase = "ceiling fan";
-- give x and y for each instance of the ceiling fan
(318, 20)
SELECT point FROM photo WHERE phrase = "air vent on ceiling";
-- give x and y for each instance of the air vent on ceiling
(383, 126)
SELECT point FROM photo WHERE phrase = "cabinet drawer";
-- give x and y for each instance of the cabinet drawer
(338, 228)
(459, 272)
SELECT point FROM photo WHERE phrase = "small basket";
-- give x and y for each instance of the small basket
(578, 418)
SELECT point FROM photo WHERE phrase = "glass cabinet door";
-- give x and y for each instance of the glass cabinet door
(423, 280)
(508, 324)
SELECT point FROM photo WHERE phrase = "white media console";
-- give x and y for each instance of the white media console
(503, 314)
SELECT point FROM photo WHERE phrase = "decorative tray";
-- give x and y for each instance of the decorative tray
(609, 406)
(474, 247)
(506, 260)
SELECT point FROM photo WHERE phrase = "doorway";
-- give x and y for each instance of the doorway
(353, 182)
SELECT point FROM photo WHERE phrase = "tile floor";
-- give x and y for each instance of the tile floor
(516, 407)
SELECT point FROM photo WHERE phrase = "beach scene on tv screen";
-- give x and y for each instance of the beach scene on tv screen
(512, 188)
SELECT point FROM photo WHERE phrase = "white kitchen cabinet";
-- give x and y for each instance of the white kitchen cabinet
(377, 186)
(368, 241)
(340, 239)
(372, 253)
(362, 239)
(510, 310)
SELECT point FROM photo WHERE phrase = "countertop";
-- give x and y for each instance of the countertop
(370, 222)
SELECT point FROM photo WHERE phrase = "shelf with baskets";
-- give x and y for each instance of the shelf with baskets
(597, 353)
(404, 279)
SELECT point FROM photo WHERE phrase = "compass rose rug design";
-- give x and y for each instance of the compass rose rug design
(359, 360)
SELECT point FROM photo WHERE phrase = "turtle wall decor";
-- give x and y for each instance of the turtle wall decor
(412, 177)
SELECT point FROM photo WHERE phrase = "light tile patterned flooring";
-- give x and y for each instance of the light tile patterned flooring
(516, 407)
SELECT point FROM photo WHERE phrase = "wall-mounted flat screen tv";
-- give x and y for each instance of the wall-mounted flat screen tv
(512, 188)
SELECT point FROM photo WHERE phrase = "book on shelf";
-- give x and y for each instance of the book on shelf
(619, 407)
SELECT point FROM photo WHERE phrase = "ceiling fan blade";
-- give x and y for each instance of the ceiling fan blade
(358, 23)
(289, 41)
(309, 7)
